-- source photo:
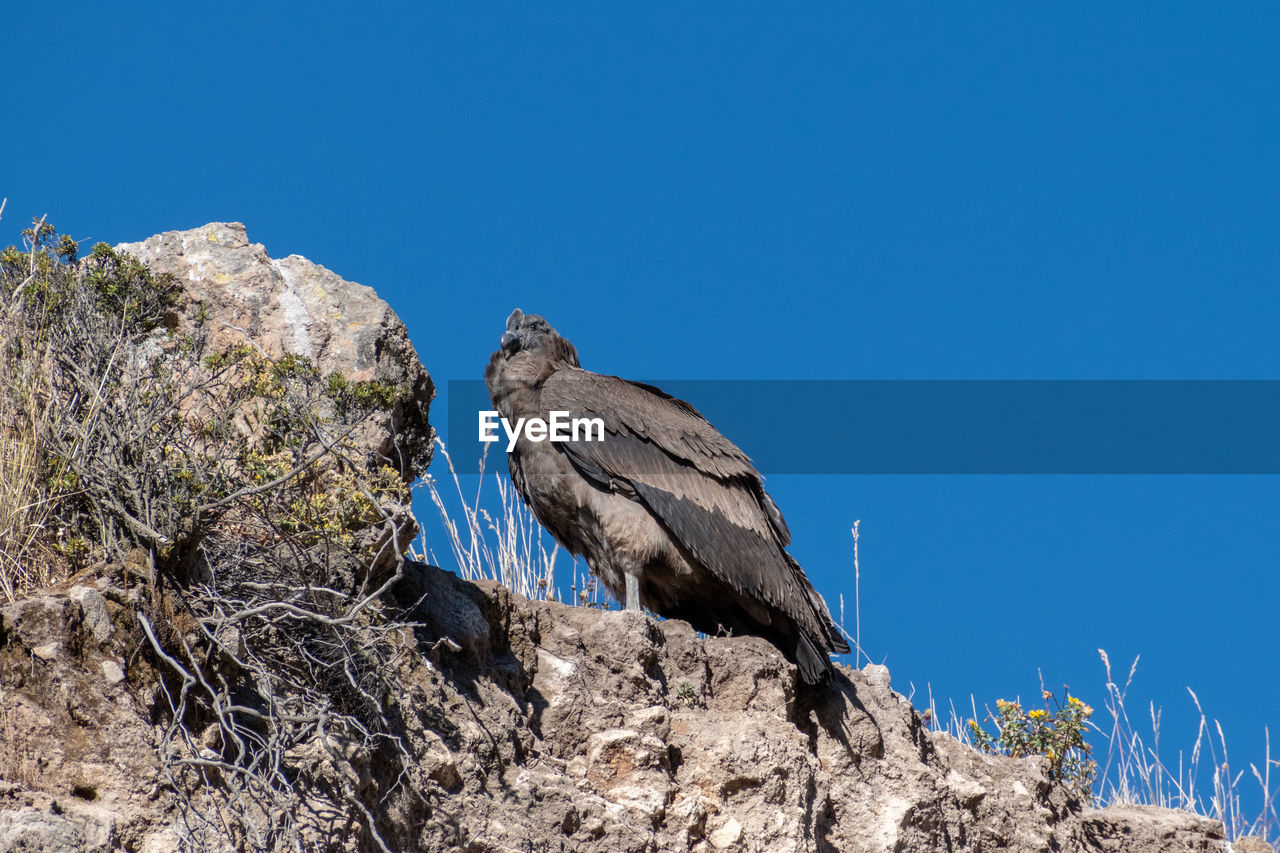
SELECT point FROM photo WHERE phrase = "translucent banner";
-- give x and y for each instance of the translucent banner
(958, 427)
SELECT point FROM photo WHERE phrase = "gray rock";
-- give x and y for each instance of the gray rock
(37, 621)
(112, 672)
(93, 608)
(77, 753)
(46, 832)
(727, 836)
(1148, 829)
(35, 822)
(624, 733)
(293, 306)
(47, 651)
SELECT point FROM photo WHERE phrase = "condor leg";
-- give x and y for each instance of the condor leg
(633, 591)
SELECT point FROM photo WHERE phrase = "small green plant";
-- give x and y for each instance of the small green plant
(686, 695)
(1056, 733)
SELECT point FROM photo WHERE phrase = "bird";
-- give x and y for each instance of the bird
(668, 512)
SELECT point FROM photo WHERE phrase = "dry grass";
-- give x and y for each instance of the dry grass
(26, 497)
(1202, 780)
(508, 547)
(24, 506)
(275, 544)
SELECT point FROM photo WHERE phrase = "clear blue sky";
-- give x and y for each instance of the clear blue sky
(853, 191)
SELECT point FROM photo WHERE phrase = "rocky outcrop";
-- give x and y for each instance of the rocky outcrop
(587, 730)
(540, 726)
(528, 726)
(292, 306)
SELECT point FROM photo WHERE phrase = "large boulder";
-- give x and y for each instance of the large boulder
(292, 306)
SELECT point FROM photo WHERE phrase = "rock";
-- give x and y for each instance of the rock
(876, 674)
(654, 739)
(549, 727)
(46, 651)
(524, 725)
(112, 672)
(238, 294)
(729, 834)
(37, 621)
(78, 754)
(93, 608)
(49, 831)
(293, 306)
(630, 769)
(1148, 829)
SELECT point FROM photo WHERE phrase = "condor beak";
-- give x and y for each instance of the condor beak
(509, 343)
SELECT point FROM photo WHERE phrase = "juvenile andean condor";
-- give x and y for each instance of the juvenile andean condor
(667, 511)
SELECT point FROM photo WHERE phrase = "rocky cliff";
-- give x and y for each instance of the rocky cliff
(540, 726)
(505, 724)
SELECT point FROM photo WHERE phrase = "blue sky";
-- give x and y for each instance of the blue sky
(745, 191)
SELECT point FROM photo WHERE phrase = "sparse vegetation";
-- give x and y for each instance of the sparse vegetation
(1134, 770)
(31, 482)
(1057, 733)
(687, 695)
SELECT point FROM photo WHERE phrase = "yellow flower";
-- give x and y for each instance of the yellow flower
(1036, 714)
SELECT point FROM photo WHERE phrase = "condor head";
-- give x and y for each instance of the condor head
(531, 336)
